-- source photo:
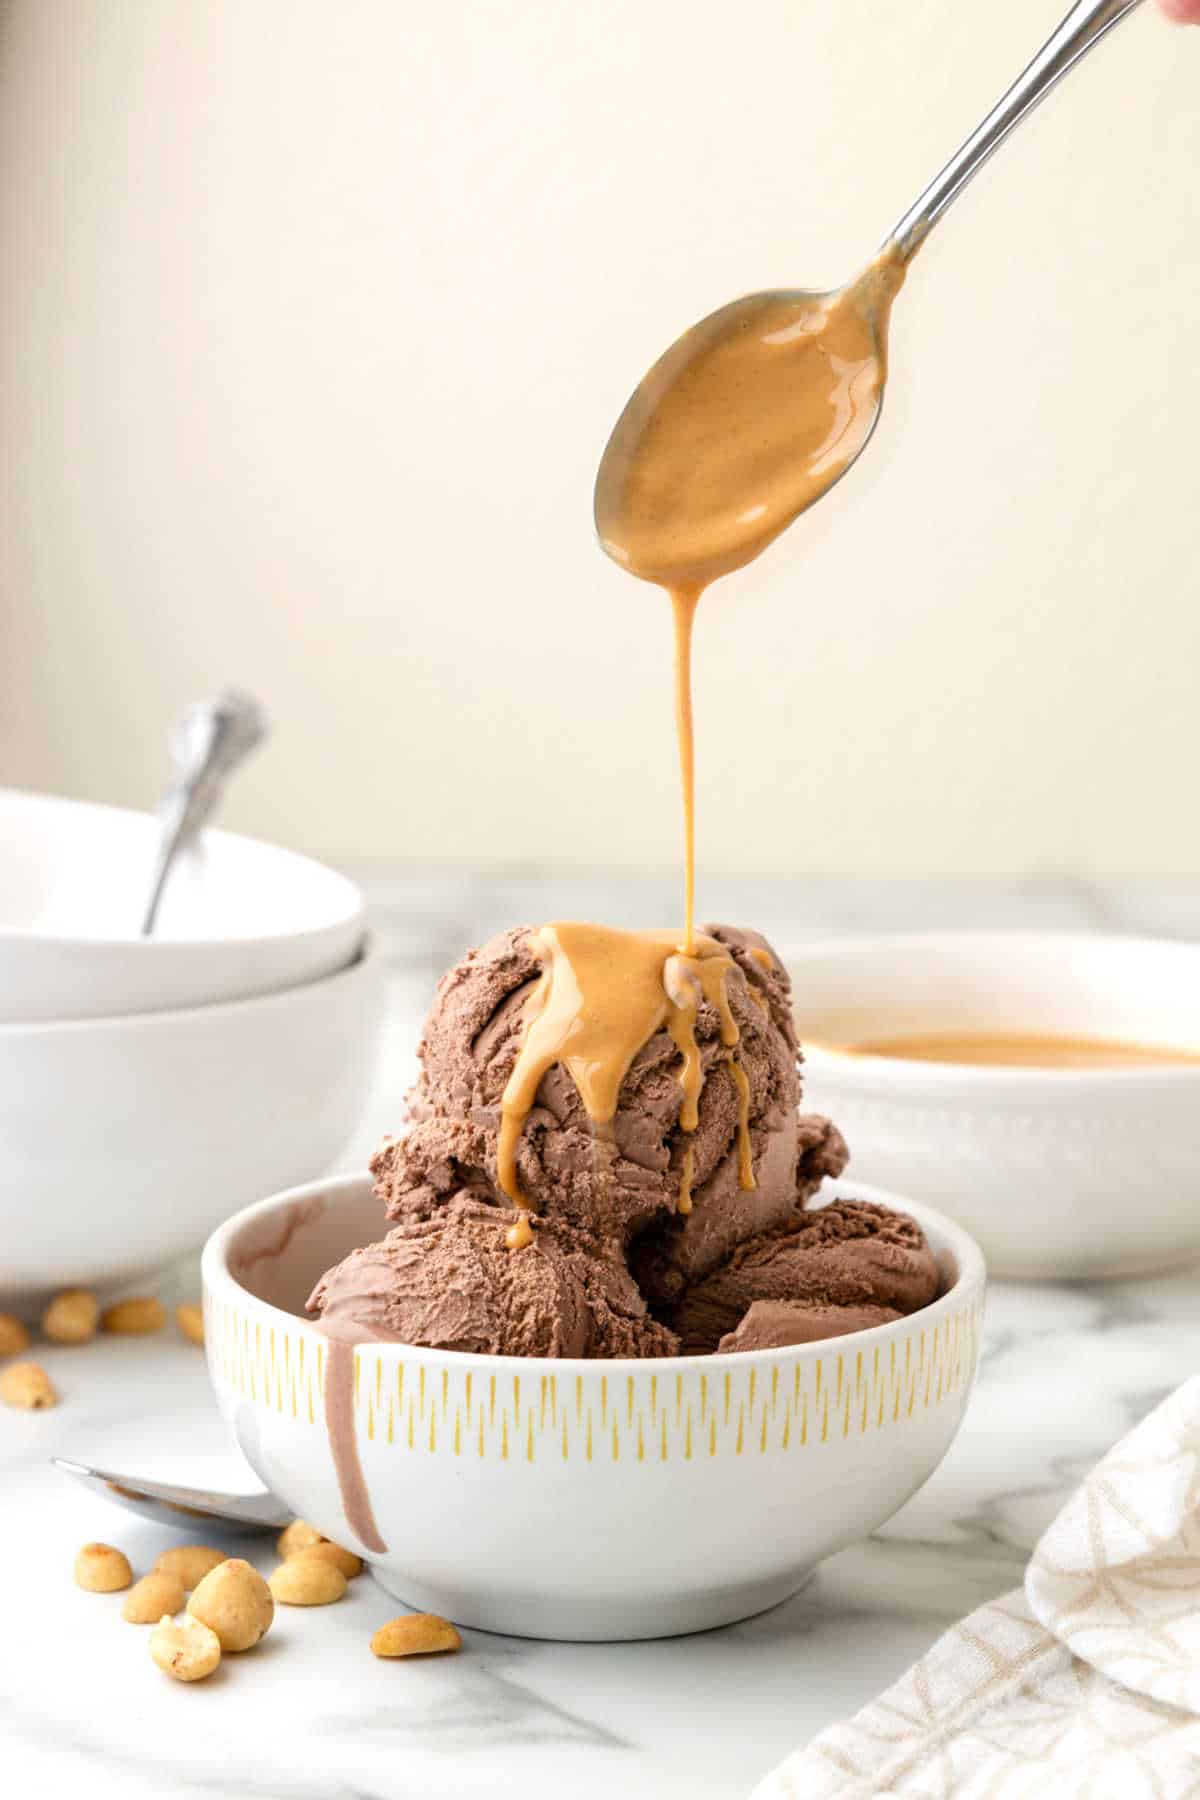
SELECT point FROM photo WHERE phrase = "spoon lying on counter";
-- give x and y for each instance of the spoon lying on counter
(754, 413)
(180, 1507)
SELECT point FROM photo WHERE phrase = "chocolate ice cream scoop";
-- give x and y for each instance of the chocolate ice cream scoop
(837, 1267)
(615, 1183)
(615, 1264)
(770, 1324)
(449, 1283)
(675, 1253)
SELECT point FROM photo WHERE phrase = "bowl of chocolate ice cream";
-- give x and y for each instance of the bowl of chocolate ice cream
(603, 1346)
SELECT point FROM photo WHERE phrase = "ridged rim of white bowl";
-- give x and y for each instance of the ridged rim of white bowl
(365, 961)
(894, 1071)
(952, 1238)
(354, 909)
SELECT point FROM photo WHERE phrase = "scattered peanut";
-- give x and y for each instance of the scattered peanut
(235, 1602)
(101, 1569)
(189, 1563)
(328, 1552)
(415, 1634)
(27, 1385)
(190, 1320)
(299, 1535)
(138, 1315)
(71, 1317)
(188, 1650)
(151, 1597)
(13, 1336)
(307, 1581)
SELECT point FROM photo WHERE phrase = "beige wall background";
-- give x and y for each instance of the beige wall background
(314, 320)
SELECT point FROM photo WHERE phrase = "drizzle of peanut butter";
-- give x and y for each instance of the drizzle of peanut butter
(601, 995)
(519, 1235)
(746, 420)
(683, 1203)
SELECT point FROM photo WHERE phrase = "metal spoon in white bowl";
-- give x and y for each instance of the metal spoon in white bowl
(180, 1507)
(207, 743)
(758, 410)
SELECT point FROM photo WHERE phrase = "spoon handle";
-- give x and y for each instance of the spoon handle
(207, 744)
(1084, 25)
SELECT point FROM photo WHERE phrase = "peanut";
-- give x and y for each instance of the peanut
(13, 1336)
(27, 1385)
(190, 1320)
(101, 1569)
(188, 1651)
(235, 1602)
(136, 1316)
(71, 1317)
(189, 1563)
(299, 1535)
(327, 1552)
(415, 1634)
(307, 1581)
(153, 1596)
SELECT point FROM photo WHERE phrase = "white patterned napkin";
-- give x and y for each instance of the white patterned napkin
(1085, 1683)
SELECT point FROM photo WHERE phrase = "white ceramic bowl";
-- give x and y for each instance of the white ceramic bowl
(237, 918)
(571, 1499)
(1058, 1173)
(124, 1141)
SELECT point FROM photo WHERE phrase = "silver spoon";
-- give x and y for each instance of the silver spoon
(207, 743)
(682, 507)
(1084, 26)
(180, 1507)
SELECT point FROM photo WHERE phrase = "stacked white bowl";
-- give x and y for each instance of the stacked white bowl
(149, 1087)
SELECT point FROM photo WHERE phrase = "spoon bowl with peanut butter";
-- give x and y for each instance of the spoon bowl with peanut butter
(745, 421)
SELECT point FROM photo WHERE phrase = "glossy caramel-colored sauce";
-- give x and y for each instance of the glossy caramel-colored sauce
(745, 421)
(683, 1203)
(519, 1235)
(684, 602)
(601, 995)
(1018, 1050)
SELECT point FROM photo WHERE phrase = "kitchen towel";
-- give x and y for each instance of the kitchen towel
(1084, 1682)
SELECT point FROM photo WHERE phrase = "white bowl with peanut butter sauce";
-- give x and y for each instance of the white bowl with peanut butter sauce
(582, 1499)
(1044, 1089)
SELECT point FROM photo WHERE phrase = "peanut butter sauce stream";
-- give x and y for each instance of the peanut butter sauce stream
(744, 422)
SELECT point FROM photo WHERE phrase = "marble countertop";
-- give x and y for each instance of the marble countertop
(312, 1716)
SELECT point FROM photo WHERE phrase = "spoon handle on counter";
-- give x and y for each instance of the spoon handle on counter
(180, 1507)
(1085, 24)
